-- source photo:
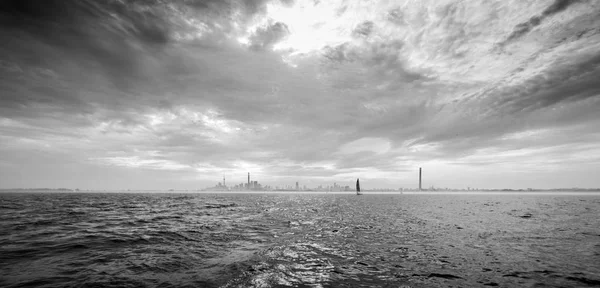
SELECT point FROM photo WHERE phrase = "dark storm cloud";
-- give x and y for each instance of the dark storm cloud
(368, 65)
(266, 37)
(107, 31)
(386, 60)
(464, 127)
(144, 20)
(83, 43)
(545, 101)
(250, 7)
(573, 82)
(74, 68)
(524, 28)
(100, 51)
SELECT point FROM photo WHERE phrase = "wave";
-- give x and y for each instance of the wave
(271, 240)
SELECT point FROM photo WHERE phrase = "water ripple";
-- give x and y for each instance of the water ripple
(308, 240)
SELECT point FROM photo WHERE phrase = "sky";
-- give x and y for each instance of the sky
(156, 94)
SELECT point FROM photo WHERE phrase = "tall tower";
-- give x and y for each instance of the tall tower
(248, 180)
(224, 181)
(419, 178)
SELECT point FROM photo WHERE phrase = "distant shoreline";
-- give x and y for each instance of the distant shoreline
(472, 192)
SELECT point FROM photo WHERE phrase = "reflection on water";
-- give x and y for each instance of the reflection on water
(268, 240)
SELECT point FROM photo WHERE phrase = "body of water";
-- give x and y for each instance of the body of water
(302, 240)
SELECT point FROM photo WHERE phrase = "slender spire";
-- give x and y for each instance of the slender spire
(419, 178)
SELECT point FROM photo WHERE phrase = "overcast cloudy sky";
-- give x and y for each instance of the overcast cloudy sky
(152, 94)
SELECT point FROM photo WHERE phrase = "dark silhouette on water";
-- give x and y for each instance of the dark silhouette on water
(358, 187)
(420, 179)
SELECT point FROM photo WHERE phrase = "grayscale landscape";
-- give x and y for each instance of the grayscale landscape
(299, 143)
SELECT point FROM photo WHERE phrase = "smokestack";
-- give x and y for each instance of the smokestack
(248, 180)
(419, 178)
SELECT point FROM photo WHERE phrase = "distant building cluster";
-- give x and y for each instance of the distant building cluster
(255, 186)
(334, 188)
(250, 185)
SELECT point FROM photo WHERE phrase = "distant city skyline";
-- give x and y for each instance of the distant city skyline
(253, 185)
(336, 186)
(175, 95)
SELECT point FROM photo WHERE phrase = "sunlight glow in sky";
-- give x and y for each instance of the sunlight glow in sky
(154, 95)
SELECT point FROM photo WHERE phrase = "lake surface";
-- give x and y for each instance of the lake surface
(302, 240)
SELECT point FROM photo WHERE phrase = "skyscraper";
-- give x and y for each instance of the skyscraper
(248, 180)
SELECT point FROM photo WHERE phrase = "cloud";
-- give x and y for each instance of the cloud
(550, 88)
(121, 46)
(266, 37)
(198, 89)
(363, 29)
(375, 145)
(524, 28)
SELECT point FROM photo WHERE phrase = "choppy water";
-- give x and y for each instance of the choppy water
(320, 240)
